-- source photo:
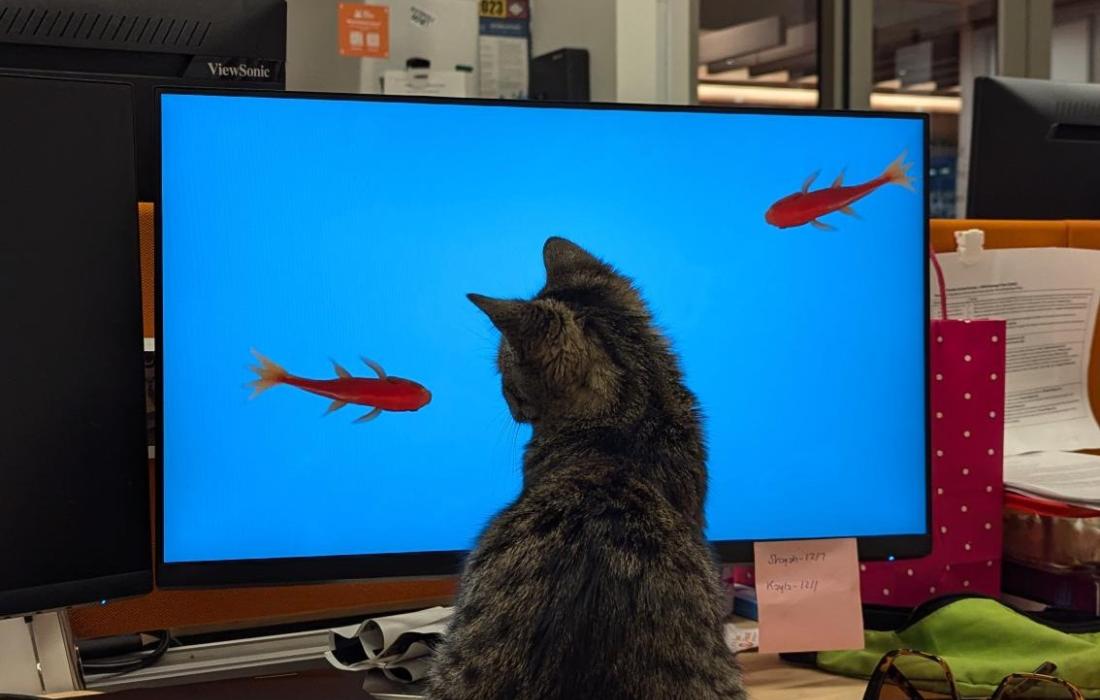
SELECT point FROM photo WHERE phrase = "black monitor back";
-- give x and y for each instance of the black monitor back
(1035, 150)
(147, 43)
(74, 484)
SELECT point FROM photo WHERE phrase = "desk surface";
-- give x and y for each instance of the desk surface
(766, 676)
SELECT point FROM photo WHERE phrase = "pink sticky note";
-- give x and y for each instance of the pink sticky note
(807, 594)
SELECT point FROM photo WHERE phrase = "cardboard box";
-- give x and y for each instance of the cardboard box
(434, 83)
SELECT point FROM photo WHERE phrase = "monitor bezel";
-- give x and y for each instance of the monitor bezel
(414, 565)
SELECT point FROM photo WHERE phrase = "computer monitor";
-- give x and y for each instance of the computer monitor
(313, 229)
(147, 43)
(74, 476)
(1034, 150)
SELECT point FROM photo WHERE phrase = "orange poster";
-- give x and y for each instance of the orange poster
(364, 30)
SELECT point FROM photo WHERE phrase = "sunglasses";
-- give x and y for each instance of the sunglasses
(914, 675)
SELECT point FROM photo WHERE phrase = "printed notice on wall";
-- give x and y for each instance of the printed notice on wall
(807, 592)
(363, 30)
(503, 49)
(1048, 298)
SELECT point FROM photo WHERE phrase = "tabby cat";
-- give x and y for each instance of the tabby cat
(597, 581)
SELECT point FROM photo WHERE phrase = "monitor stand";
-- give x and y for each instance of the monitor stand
(37, 655)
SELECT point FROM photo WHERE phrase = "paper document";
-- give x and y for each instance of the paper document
(808, 595)
(502, 49)
(394, 650)
(1048, 297)
(503, 62)
(740, 639)
(378, 688)
(1063, 476)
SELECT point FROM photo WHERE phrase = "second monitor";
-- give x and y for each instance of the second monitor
(1034, 150)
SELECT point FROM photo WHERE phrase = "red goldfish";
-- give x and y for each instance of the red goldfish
(806, 207)
(383, 394)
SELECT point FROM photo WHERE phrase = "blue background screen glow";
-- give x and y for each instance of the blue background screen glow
(312, 229)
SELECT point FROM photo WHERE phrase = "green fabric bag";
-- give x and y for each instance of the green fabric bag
(982, 641)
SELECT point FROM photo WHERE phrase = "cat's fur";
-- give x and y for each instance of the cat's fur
(597, 581)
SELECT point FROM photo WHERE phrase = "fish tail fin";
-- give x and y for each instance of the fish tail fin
(268, 374)
(898, 172)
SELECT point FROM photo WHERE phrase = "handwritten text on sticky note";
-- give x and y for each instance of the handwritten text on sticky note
(807, 592)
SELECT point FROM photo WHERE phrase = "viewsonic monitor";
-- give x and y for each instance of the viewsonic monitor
(1034, 150)
(147, 43)
(321, 238)
(74, 471)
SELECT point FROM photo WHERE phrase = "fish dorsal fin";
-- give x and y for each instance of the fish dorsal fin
(839, 179)
(375, 366)
(340, 371)
(809, 181)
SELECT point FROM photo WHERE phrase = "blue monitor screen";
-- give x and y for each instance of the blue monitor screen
(311, 230)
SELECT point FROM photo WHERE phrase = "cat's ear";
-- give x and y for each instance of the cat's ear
(542, 331)
(561, 256)
(508, 315)
(522, 322)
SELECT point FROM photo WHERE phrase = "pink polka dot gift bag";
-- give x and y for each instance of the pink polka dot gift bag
(967, 406)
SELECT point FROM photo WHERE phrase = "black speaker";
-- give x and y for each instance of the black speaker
(560, 76)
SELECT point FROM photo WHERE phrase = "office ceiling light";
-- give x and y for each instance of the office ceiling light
(902, 102)
(779, 76)
(734, 75)
(926, 86)
(757, 95)
(803, 97)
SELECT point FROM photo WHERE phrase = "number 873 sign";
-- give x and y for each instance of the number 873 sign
(505, 9)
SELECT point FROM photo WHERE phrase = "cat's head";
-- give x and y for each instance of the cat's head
(583, 347)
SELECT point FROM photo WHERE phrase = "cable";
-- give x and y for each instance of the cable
(135, 662)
